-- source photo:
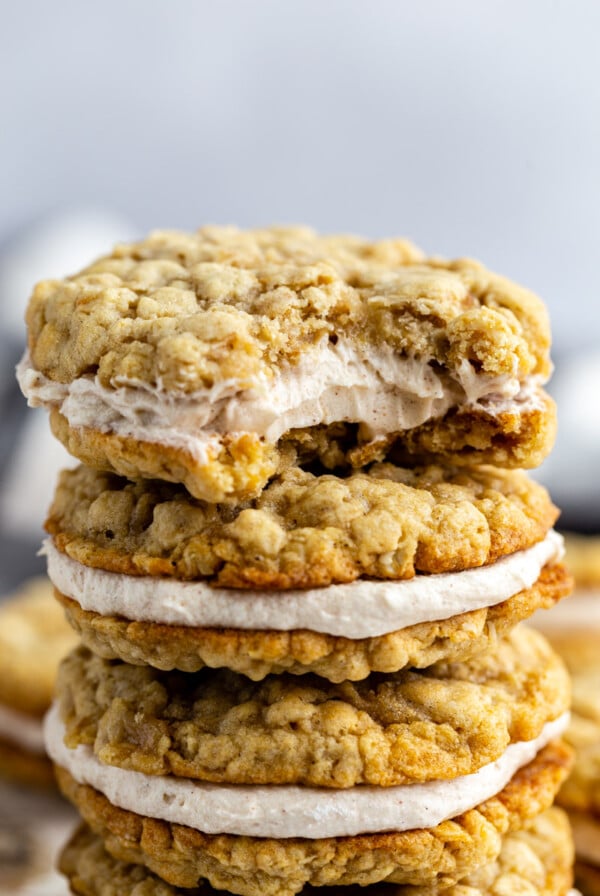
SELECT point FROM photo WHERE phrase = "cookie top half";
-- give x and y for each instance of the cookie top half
(217, 726)
(217, 358)
(304, 530)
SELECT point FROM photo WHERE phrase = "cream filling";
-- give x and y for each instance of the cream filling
(289, 811)
(360, 609)
(372, 386)
(22, 730)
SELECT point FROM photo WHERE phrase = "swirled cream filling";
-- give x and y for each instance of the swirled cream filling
(360, 609)
(377, 388)
(289, 811)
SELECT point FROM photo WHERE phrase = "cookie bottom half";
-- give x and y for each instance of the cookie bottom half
(536, 861)
(239, 465)
(260, 653)
(436, 857)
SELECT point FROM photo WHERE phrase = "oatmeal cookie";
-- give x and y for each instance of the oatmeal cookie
(197, 357)
(586, 834)
(217, 726)
(34, 637)
(581, 652)
(303, 530)
(260, 653)
(438, 856)
(533, 862)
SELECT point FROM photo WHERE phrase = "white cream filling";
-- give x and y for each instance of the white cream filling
(360, 609)
(22, 730)
(289, 811)
(372, 386)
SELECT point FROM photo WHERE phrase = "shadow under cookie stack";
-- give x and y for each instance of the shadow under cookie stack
(296, 553)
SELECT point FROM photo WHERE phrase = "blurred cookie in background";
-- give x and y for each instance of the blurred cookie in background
(574, 629)
(34, 637)
(580, 794)
(584, 561)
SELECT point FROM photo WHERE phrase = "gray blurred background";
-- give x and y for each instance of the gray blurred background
(473, 128)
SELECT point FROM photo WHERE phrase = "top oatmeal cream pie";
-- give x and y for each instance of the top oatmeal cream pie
(219, 358)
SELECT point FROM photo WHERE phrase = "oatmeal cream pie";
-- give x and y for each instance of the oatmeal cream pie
(535, 861)
(216, 359)
(34, 637)
(261, 788)
(273, 840)
(338, 576)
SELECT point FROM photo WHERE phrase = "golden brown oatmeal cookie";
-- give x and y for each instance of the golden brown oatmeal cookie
(581, 652)
(303, 530)
(259, 653)
(515, 437)
(188, 356)
(22, 767)
(34, 637)
(438, 856)
(163, 310)
(238, 467)
(410, 727)
(534, 862)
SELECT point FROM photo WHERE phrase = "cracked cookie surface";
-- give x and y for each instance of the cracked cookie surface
(217, 726)
(303, 530)
(439, 856)
(188, 311)
(533, 862)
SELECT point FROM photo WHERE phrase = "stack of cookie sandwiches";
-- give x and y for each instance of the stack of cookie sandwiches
(296, 553)
(575, 634)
